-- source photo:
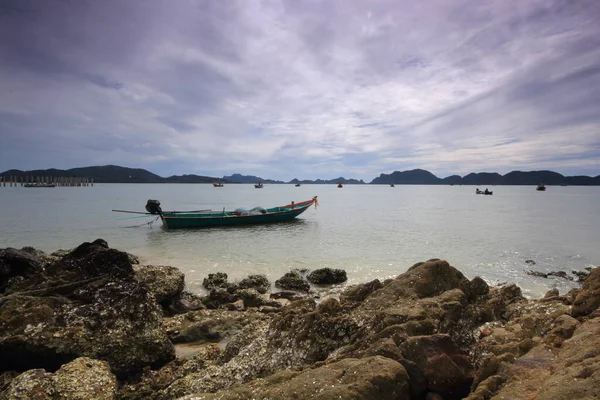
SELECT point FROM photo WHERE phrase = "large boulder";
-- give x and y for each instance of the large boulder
(372, 378)
(327, 276)
(165, 282)
(258, 282)
(546, 373)
(81, 379)
(86, 304)
(447, 369)
(15, 263)
(293, 281)
(588, 298)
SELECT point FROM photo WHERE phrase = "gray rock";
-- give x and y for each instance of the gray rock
(165, 282)
(293, 281)
(258, 282)
(327, 276)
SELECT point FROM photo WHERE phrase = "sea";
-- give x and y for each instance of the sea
(370, 231)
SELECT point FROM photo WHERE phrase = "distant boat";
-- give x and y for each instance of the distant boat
(218, 184)
(39, 185)
(541, 187)
(485, 192)
(258, 185)
(392, 185)
(563, 184)
(297, 185)
(340, 185)
(240, 216)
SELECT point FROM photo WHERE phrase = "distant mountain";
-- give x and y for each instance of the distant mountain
(532, 178)
(238, 178)
(452, 180)
(412, 177)
(582, 180)
(110, 174)
(334, 181)
(102, 174)
(422, 177)
(117, 174)
(482, 178)
(191, 179)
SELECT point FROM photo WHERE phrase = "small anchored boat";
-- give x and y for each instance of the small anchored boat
(540, 187)
(484, 192)
(218, 184)
(258, 185)
(340, 185)
(239, 216)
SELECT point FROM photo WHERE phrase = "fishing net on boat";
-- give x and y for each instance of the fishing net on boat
(252, 211)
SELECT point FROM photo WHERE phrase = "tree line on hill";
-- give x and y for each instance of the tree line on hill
(117, 174)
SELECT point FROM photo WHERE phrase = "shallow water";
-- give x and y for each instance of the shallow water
(371, 231)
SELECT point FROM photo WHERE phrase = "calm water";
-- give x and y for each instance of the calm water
(370, 231)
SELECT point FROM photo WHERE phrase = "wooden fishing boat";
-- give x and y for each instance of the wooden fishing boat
(340, 185)
(484, 192)
(210, 218)
(540, 187)
(258, 185)
(218, 184)
(297, 185)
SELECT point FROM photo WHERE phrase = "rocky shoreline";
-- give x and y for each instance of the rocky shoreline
(93, 323)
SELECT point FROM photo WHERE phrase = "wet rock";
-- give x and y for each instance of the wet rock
(258, 282)
(431, 279)
(530, 262)
(81, 379)
(478, 287)
(86, 304)
(551, 293)
(562, 329)
(327, 276)
(446, 368)
(293, 281)
(486, 389)
(560, 274)
(329, 306)
(165, 282)
(85, 378)
(581, 275)
(369, 378)
(60, 253)
(501, 299)
(205, 326)
(30, 385)
(133, 259)
(536, 273)
(588, 298)
(287, 295)
(251, 298)
(215, 281)
(358, 293)
(185, 302)
(219, 297)
(14, 263)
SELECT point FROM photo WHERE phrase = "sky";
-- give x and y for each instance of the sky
(301, 88)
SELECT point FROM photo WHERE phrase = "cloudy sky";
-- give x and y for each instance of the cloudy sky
(301, 88)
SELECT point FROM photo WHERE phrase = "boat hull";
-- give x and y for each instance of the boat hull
(228, 218)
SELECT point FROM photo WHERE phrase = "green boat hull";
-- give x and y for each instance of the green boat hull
(230, 218)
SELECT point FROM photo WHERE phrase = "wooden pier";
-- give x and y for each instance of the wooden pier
(45, 181)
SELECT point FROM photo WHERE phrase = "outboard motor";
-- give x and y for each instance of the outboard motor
(153, 207)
